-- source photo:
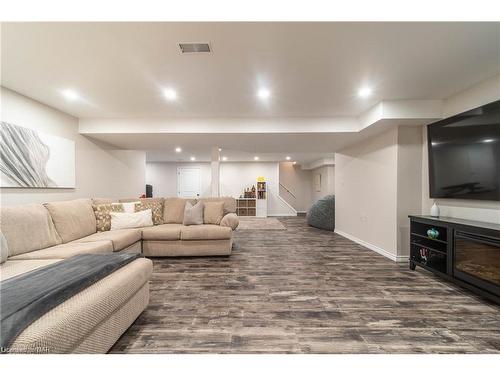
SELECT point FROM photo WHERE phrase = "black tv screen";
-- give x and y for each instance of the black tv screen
(464, 155)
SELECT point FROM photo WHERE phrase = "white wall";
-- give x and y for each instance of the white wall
(299, 182)
(377, 185)
(100, 170)
(489, 211)
(163, 177)
(327, 187)
(234, 177)
(366, 192)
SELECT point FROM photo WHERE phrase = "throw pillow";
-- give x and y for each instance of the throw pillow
(124, 220)
(129, 207)
(156, 209)
(193, 215)
(102, 214)
(214, 212)
(4, 249)
(173, 210)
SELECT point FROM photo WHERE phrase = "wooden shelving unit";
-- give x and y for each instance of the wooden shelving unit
(246, 207)
(253, 202)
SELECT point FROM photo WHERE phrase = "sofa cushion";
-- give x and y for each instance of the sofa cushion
(4, 249)
(205, 232)
(27, 228)
(67, 250)
(230, 220)
(229, 203)
(121, 238)
(214, 211)
(164, 232)
(102, 213)
(13, 268)
(156, 208)
(193, 214)
(173, 210)
(73, 219)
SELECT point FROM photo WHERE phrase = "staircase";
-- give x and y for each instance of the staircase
(287, 197)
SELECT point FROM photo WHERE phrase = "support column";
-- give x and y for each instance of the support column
(215, 164)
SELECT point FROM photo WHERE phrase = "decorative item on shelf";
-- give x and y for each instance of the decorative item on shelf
(435, 210)
(249, 193)
(253, 190)
(424, 253)
(261, 201)
(261, 190)
(433, 233)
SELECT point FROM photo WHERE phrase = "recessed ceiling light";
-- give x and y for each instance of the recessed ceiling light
(193, 158)
(178, 149)
(170, 94)
(294, 163)
(255, 158)
(288, 158)
(263, 93)
(224, 158)
(70, 94)
(365, 92)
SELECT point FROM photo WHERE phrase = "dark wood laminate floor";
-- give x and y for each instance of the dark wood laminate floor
(305, 290)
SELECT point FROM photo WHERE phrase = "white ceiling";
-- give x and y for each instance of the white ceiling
(312, 69)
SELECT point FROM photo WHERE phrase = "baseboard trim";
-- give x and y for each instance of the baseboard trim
(282, 215)
(387, 254)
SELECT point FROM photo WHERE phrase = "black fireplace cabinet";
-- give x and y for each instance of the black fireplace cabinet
(462, 251)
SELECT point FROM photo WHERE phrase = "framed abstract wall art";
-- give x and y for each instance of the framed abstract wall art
(32, 159)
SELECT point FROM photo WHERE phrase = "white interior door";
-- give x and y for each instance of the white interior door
(188, 182)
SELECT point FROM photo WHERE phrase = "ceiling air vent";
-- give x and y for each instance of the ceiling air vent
(194, 47)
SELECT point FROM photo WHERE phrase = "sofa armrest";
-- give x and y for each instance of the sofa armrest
(230, 220)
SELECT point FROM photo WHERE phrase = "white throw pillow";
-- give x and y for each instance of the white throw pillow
(124, 220)
(129, 207)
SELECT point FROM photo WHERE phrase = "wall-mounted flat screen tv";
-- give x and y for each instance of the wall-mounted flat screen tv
(464, 155)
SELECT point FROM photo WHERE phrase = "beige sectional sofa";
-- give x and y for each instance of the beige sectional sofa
(91, 321)
(174, 239)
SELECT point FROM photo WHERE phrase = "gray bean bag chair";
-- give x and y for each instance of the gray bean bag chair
(322, 213)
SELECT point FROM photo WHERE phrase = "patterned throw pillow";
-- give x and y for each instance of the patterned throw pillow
(156, 210)
(102, 214)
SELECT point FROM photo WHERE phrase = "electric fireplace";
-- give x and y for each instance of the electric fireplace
(477, 260)
(465, 252)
